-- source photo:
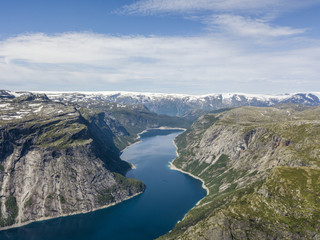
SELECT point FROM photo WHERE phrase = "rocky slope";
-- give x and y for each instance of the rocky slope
(262, 169)
(58, 159)
(189, 105)
(127, 121)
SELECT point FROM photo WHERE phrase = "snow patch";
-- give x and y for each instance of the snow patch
(38, 109)
(34, 104)
(4, 105)
(6, 118)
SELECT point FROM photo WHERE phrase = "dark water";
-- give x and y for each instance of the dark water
(169, 195)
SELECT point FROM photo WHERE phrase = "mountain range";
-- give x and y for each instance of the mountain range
(60, 155)
(191, 106)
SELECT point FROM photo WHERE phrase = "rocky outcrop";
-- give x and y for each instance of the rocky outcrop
(262, 169)
(56, 161)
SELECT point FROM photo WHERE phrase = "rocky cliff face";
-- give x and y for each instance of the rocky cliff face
(55, 160)
(262, 169)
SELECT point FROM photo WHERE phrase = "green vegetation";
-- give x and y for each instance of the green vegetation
(63, 135)
(28, 203)
(137, 121)
(67, 135)
(270, 184)
(62, 199)
(123, 184)
(50, 196)
(12, 212)
(129, 120)
(292, 201)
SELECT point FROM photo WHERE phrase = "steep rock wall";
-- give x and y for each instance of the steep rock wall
(55, 162)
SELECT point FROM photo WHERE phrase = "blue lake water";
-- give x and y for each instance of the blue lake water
(168, 197)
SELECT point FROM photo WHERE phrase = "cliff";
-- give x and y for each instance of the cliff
(262, 169)
(55, 161)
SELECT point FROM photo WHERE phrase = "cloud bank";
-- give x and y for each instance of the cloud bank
(204, 64)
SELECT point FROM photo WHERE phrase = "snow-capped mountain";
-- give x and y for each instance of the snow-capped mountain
(181, 104)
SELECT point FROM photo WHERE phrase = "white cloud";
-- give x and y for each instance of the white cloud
(247, 26)
(257, 6)
(250, 18)
(87, 61)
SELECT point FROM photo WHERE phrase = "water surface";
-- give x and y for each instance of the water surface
(168, 196)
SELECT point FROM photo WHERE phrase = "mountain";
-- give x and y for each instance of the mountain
(58, 159)
(189, 105)
(262, 170)
(127, 121)
(60, 155)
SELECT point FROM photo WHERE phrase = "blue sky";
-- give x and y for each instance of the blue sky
(173, 46)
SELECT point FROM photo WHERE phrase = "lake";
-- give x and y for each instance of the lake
(168, 197)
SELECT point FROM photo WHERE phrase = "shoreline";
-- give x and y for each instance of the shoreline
(130, 145)
(161, 128)
(146, 130)
(174, 168)
(17, 225)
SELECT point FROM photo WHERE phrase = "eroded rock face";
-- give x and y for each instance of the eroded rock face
(54, 161)
(262, 168)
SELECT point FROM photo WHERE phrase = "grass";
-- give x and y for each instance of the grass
(276, 201)
(292, 201)
(63, 135)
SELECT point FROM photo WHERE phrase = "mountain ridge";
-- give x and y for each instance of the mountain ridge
(184, 104)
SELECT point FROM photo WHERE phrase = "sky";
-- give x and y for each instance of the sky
(168, 46)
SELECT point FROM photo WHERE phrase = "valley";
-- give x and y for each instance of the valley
(60, 155)
(58, 159)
